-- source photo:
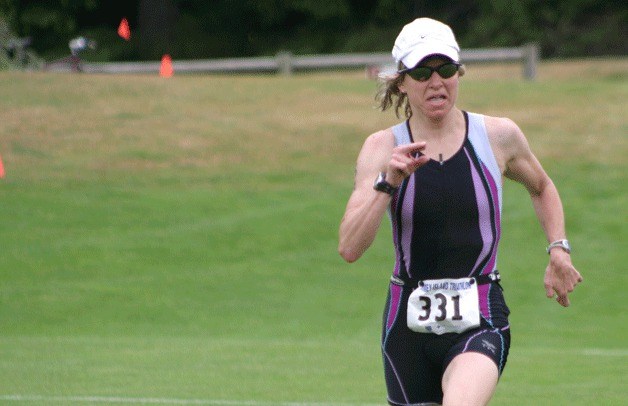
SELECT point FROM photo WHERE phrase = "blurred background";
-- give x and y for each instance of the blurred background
(191, 29)
(175, 241)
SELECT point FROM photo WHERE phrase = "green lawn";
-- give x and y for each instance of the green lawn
(173, 241)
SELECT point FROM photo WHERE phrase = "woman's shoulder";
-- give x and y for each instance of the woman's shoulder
(499, 126)
(377, 148)
(506, 139)
(502, 130)
(381, 139)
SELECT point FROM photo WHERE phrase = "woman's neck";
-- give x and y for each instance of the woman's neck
(443, 137)
(428, 129)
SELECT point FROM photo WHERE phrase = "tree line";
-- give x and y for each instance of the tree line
(190, 29)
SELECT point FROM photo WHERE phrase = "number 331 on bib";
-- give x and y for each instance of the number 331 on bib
(444, 306)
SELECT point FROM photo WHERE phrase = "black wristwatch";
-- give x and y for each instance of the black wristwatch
(382, 186)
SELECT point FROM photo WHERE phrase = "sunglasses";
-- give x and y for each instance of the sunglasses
(423, 73)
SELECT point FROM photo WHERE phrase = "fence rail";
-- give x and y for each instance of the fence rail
(286, 63)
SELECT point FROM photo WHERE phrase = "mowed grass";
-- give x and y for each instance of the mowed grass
(175, 239)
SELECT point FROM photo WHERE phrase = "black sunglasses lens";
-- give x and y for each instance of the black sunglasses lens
(421, 73)
(447, 70)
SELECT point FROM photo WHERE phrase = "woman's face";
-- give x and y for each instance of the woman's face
(434, 97)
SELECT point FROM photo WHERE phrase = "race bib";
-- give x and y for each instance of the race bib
(444, 306)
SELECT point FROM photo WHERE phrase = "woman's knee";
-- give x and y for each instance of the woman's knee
(470, 379)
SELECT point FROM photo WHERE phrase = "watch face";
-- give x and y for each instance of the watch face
(381, 178)
(563, 244)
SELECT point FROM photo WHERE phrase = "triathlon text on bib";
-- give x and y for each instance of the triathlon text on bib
(444, 306)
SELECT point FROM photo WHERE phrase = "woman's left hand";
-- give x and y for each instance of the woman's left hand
(561, 277)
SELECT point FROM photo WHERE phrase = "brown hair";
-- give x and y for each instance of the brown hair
(388, 93)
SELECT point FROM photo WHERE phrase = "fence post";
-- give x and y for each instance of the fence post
(531, 55)
(284, 62)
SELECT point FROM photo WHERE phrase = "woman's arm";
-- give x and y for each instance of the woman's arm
(367, 206)
(521, 165)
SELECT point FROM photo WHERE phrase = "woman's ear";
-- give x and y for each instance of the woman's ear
(402, 88)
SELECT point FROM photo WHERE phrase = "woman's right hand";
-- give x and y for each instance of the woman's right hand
(404, 160)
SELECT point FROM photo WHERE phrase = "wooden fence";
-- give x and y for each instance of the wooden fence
(286, 63)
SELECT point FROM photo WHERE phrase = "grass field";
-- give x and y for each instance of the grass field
(173, 241)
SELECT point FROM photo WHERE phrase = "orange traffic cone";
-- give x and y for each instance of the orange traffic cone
(166, 70)
(124, 30)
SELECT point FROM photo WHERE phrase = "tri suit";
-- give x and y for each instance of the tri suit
(445, 224)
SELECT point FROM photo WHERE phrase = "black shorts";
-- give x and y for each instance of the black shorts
(414, 363)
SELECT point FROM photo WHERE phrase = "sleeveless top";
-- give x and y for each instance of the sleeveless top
(446, 216)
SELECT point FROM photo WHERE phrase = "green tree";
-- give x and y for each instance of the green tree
(49, 23)
(232, 28)
(562, 27)
(156, 25)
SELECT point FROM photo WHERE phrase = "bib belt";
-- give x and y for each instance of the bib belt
(413, 283)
